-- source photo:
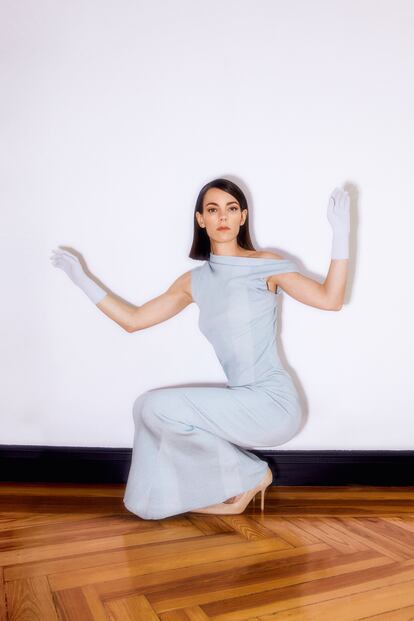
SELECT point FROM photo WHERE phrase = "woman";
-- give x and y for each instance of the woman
(190, 444)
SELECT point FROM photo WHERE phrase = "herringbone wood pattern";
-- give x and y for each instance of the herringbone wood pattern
(74, 553)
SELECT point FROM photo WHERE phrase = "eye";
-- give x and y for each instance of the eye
(210, 209)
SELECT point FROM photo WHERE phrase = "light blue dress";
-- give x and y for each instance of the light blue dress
(190, 443)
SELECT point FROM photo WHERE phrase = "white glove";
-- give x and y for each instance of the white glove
(339, 219)
(71, 265)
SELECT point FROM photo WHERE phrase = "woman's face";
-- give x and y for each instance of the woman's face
(221, 209)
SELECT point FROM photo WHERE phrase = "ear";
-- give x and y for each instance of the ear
(200, 219)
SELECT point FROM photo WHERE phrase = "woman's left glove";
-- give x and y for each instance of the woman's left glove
(339, 219)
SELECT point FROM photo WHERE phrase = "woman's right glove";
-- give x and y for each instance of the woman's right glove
(70, 264)
(339, 219)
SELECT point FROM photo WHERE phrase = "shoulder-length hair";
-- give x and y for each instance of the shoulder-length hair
(200, 248)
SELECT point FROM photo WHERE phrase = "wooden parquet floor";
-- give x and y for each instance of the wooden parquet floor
(74, 553)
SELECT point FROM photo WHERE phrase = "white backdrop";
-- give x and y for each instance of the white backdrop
(113, 116)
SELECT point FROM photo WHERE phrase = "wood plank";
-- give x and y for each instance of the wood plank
(3, 607)
(131, 609)
(225, 591)
(119, 556)
(402, 614)
(250, 529)
(19, 519)
(402, 537)
(287, 530)
(360, 493)
(342, 500)
(406, 523)
(30, 600)
(207, 524)
(44, 552)
(94, 602)
(367, 581)
(74, 530)
(323, 529)
(367, 531)
(79, 605)
(383, 600)
(162, 557)
(193, 613)
(207, 577)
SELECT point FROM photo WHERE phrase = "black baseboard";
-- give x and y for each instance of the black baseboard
(72, 464)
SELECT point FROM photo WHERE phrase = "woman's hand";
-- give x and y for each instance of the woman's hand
(339, 219)
(70, 264)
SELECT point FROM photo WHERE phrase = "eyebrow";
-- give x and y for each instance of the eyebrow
(229, 203)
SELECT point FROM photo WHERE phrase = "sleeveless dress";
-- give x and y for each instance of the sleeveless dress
(190, 443)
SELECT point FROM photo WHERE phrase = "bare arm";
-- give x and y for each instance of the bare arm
(156, 310)
(328, 295)
(335, 282)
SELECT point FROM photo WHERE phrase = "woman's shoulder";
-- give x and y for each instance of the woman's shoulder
(265, 254)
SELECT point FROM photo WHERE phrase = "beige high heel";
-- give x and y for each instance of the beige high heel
(240, 505)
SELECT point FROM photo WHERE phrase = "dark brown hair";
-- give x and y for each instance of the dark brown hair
(200, 248)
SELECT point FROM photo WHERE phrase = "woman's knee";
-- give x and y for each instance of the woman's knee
(138, 406)
(148, 405)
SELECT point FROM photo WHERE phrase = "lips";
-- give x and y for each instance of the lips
(223, 228)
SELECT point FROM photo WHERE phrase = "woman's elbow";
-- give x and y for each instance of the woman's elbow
(337, 307)
(132, 327)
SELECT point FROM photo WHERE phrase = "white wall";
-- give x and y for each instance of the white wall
(113, 116)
